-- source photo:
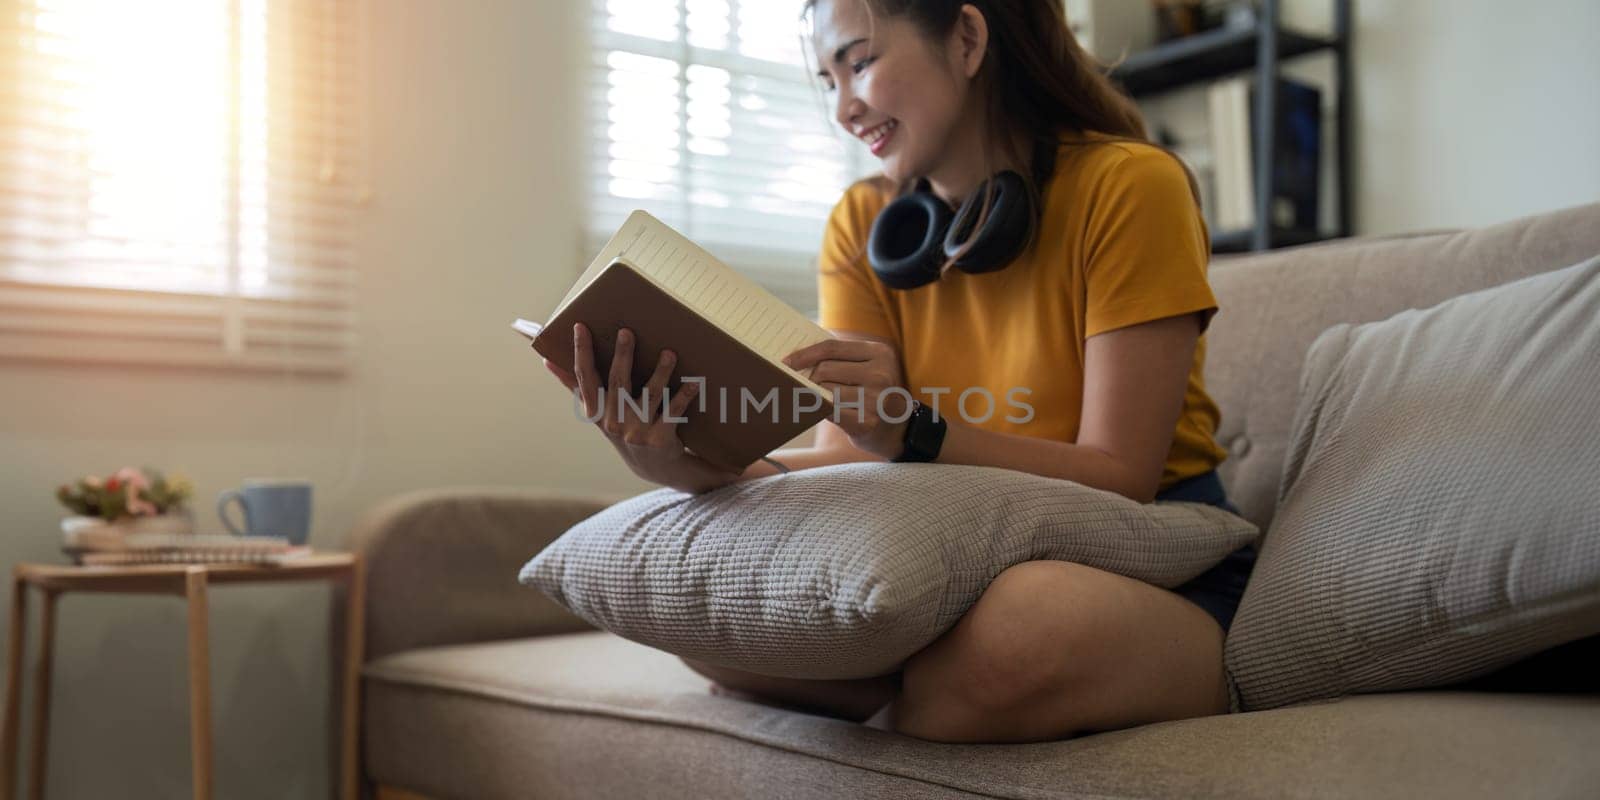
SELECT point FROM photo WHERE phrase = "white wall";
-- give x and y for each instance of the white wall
(1469, 112)
(474, 222)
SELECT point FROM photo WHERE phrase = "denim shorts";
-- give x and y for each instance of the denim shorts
(1217, 590)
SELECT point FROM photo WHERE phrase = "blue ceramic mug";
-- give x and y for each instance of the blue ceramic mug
(272, 507)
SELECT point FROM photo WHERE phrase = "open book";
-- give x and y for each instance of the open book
(723, 327)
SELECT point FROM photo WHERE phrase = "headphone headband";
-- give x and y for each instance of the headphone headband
(915, 234)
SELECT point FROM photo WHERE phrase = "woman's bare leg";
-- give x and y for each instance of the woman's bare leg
(1054, 649)
(854, 700)
(1050, 650)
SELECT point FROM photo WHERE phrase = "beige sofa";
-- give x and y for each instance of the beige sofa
(477, 687)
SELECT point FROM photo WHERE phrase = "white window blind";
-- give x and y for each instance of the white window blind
(705, 114)
(177, 179)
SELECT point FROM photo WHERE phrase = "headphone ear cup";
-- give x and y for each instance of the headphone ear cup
(1004, 232)
(904, 246)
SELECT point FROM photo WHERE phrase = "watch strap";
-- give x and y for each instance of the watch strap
(924, 436)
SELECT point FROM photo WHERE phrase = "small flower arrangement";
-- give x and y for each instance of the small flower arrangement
(126, 493)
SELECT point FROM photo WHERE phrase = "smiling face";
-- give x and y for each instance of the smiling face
(903, 94)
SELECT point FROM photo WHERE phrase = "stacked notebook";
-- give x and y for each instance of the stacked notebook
(672, 294)
(110, 547)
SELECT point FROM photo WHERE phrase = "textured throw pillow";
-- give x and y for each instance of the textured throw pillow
(1439, 516)
(845, 571)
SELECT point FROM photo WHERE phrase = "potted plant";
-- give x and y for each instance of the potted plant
(127, 501)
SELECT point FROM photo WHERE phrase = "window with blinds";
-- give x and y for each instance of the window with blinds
(705, 114)
(177, 180)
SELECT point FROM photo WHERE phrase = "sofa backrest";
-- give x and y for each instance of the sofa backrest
(1273, 305)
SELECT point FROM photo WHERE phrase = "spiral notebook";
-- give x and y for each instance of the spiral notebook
(723, 327)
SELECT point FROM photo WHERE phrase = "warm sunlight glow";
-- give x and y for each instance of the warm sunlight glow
(149, 108)
(712, 105)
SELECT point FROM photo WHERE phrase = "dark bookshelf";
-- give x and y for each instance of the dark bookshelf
(1205, 57)
(1260, 48)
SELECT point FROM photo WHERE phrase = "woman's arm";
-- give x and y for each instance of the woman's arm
(1134, 383)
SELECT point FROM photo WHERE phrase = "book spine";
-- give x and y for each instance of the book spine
(1297, 154)
(1229, 108)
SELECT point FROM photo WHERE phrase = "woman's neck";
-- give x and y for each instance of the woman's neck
(960, 174)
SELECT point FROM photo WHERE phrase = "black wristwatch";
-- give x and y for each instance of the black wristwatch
(924, 435)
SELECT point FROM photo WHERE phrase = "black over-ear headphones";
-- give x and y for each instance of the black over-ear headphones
(914, 235)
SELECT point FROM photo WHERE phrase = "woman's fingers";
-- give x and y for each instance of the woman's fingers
(857, 373)
(621, 381)
(834, 349)
(655, 390)
(663, 432)
(584, 373)
(663, 428)
(619, 385)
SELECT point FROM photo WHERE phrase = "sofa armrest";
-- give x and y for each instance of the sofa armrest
(442, 565)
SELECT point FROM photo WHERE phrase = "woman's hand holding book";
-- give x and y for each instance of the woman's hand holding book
(645, 437)
(863, 376)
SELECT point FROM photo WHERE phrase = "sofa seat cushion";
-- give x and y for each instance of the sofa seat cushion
(594, 715)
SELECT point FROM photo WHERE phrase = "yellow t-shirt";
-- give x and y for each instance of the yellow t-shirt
(1122, 242)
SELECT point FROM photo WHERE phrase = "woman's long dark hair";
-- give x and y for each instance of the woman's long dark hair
(1034, 78)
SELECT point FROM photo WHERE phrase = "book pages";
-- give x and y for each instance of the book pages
(716, 291)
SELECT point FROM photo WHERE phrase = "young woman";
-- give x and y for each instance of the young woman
(1093, 318)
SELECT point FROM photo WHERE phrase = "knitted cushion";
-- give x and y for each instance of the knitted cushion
(1439, 517)
(845, 571)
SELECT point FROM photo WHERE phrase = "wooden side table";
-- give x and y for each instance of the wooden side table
(189, 581)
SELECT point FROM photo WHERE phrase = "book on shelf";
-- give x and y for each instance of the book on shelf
(723, 328)
(1297, 154)
(1228, 110)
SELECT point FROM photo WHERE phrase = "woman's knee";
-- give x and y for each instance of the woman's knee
(1021, 640)
(855, 700)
